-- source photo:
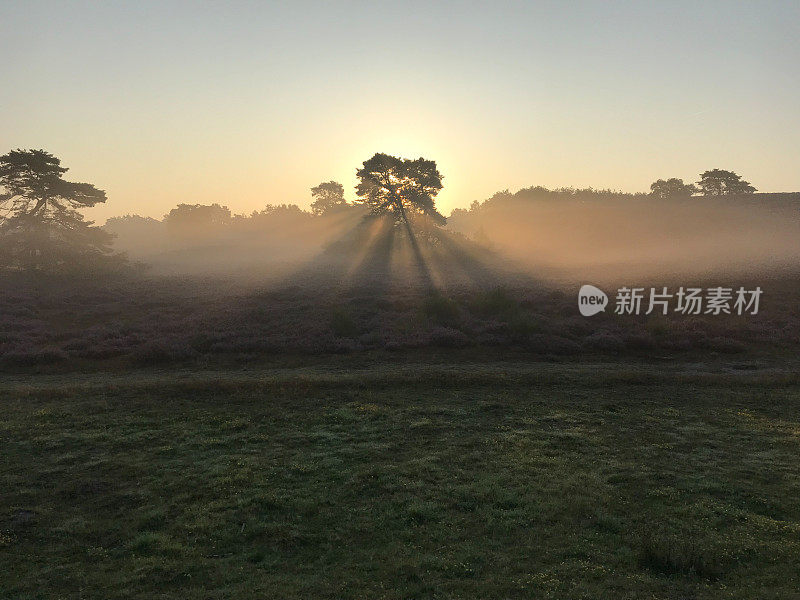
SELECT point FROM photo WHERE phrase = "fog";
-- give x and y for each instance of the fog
(563, 235)
(258, 248)
(612, 236)
(502, 274)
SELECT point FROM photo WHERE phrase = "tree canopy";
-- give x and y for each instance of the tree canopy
(718, 182)
(403, 188)
(32, 184)
(328, 196)
(196, 219)
(40, 228)
(672, 188)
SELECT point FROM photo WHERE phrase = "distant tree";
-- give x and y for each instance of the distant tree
(503, 197)
(136, 235)
(279, 209)
(40, 228)
(718, 182)
(400, 187)
(197, 219)
(328, 197)
(672, 188)
(131, 223)
(272, 217)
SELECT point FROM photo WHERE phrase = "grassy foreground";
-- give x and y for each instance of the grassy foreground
(512, 481)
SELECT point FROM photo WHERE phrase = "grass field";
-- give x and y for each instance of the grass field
(493, 480)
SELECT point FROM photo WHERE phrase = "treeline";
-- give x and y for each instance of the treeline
(716, 190)
(42, 228)
(199, 220)
(536, 194)
(197, 238)
(599, 233)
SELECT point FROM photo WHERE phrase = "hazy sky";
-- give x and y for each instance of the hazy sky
(252, 103)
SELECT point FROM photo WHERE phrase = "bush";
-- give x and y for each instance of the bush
(342, 324)
(497, 302)
(523, 325)
(441, 310)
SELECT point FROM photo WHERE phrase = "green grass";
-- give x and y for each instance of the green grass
(493, 481)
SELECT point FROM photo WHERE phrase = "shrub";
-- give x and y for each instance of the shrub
(342, 323)
(523, 325)
(496, 302)
(441, 310)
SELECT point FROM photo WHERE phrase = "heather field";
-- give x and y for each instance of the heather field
(131, 321)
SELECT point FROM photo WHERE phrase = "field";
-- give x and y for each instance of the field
(123, 323)
(377, 424)
(392, 475)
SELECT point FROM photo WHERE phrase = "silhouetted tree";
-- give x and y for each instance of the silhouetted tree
(284, 217)
(400, 187)
(137, 235)
(197, 219)
(271, 210)
(40, 228)
(328, 197)
(672, 188)
(718, 182)
(132, 225)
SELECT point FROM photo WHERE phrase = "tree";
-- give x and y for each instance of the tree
(197, 219)
(718, 182)
(403, 188)
(281, 217)
(327, 197)
(672, 188)
(136, 235)
(40, 228)
(133, 225)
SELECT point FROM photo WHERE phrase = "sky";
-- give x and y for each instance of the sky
(250, 103)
